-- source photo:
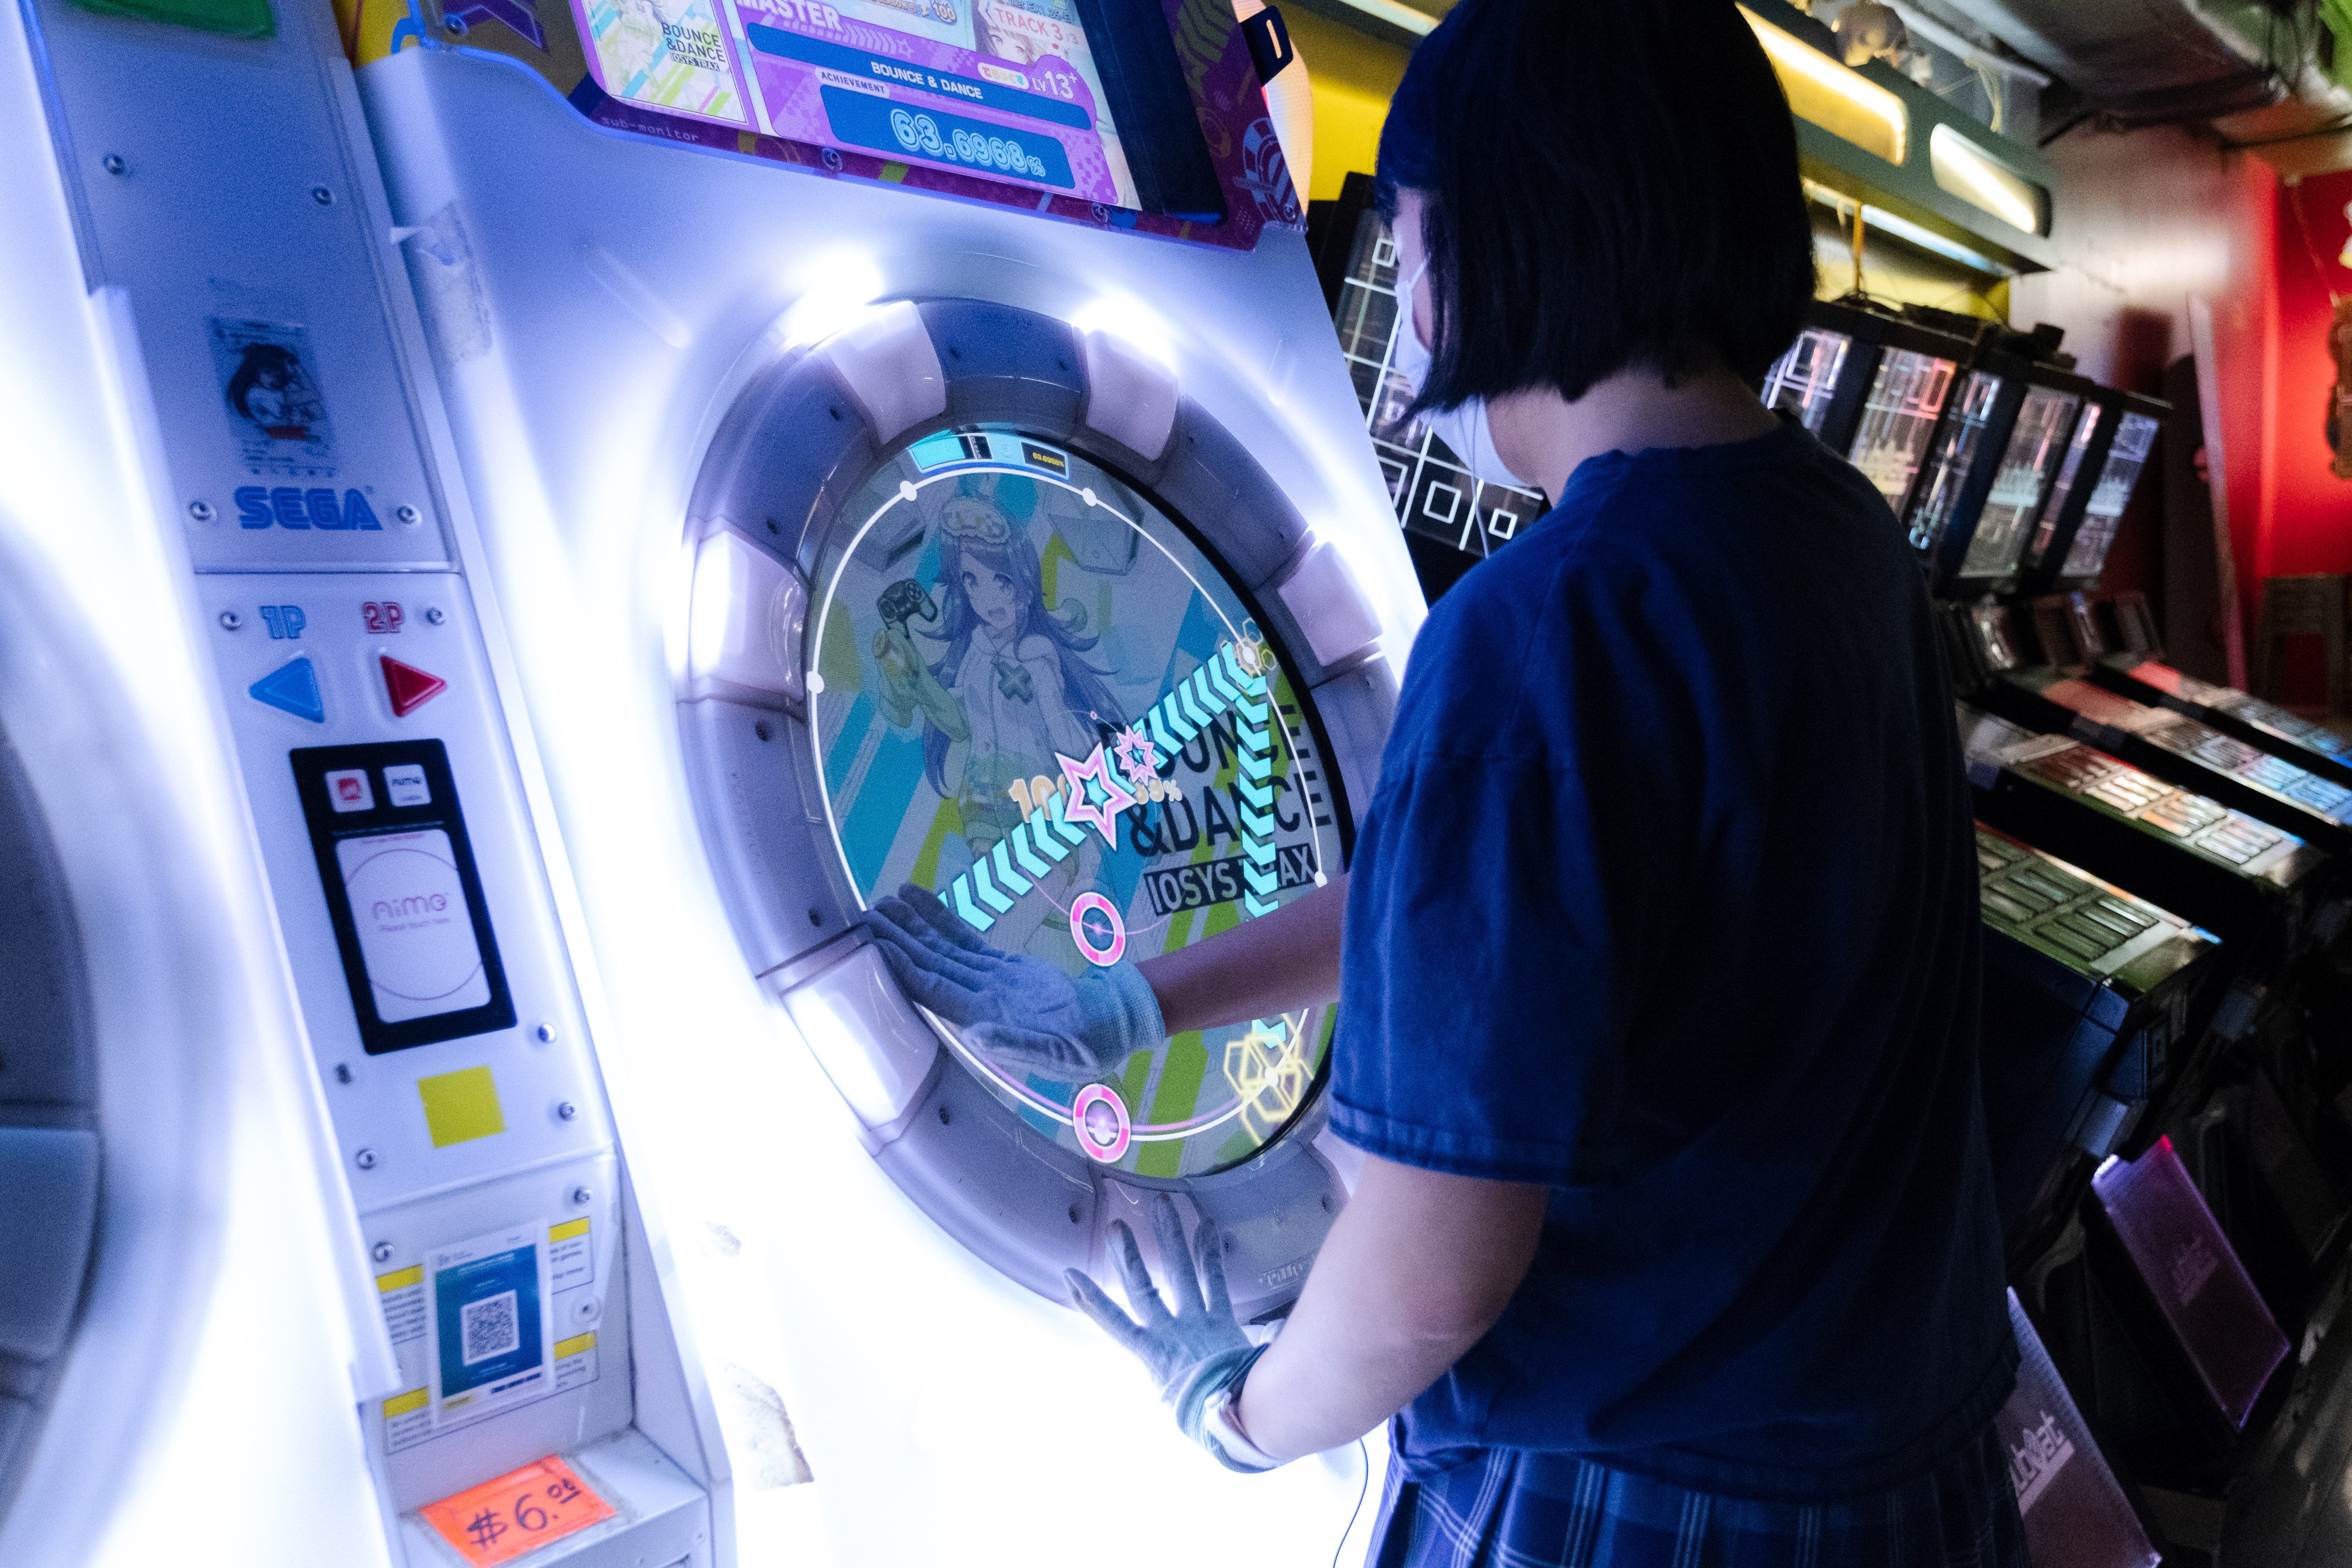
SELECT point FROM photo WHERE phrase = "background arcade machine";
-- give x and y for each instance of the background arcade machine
(2120, 647)
(1871, 386)
(520, 1389)
(887, 478)
(2035, 681)
(2002, 443)
(2104, 465)
(184, 1308)
(1451, 517)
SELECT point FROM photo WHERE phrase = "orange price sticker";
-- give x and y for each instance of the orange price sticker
(518, 1513)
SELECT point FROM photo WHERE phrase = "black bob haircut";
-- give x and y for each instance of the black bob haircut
(1605, 183)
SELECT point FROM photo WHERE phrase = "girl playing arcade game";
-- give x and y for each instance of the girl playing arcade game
(1674, 1240)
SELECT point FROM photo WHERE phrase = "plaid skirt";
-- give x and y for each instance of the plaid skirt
(1514, 1508)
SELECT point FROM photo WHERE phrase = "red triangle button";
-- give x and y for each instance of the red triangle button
(409, 687)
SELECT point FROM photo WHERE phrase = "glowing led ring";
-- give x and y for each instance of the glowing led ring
(1101, 1123)
(1100, 957)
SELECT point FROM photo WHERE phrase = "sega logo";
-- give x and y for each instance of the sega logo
(290, 506)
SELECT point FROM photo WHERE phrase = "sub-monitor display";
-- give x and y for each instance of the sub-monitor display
(1008, 90)
(1034, 693)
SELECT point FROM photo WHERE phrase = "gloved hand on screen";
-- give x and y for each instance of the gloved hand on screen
(1023, 1011)
(1198, 1355)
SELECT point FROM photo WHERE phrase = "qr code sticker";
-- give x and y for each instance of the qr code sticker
(488, 1328)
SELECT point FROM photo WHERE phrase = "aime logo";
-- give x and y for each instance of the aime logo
(413, 904)
(290, 506)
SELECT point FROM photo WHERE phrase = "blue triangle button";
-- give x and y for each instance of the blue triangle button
(291, 687)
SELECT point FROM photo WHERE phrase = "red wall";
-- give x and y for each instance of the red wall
(2288, 513)
(2311, 516)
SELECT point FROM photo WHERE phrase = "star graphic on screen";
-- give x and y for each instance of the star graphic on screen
(1096, 795)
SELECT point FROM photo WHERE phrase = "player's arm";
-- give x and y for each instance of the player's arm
(1417, 1269)
(1274, 963)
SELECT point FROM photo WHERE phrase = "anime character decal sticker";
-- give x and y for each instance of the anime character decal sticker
(1034, 694)
(271, 396)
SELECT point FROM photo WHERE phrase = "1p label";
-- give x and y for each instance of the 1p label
(517, 1513)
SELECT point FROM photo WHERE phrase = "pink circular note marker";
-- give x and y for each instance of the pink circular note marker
(1101, 1122)
(1100, 957)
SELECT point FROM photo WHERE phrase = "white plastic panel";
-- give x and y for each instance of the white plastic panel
(1131, 397)
(886, 360)
(875, 1047)
(1321, 593)
(345, 626)
(749, 610)
(246, 237)
(588, 1394)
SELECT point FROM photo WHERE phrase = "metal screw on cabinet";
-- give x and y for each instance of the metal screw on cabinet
(832, 158)
(202, 511)
(409, 516)
(454, 25)
(586, 1310)
(546, 1034)
(113, 164)
(381, 1252)
(364, 1159)
(323, 197)
(581, 1195)
(230, 620)
(567, 1110)
(437, 614)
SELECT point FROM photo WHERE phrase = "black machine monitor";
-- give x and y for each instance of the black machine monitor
(1871, 386)
(2077, 530)
(2003, 440)
(1899, 407)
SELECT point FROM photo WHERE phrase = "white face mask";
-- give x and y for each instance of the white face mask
(1463, 429)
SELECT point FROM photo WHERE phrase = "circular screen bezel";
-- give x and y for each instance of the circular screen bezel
(1271, 1080)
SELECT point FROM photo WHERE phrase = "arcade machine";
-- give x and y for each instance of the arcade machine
(1871, 386)
(2041, 687)
(2175, 1360)
(907, 450)
(522, 1389)
(2261, 888)
(2116, 640)
(2129, 658)
(1452, 519)
(2088, 997)
(1973, 511)
(183, 1321)
(2076, 530)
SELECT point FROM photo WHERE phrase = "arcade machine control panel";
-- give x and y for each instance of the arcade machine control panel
(2088, 996)
(2138, 670)
(2168, 744)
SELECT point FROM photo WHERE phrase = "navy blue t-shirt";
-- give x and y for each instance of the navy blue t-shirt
(1667, 899)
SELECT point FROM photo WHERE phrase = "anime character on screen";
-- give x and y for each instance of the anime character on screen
(1010, 689)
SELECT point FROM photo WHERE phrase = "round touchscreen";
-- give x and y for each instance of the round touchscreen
(1032, 693)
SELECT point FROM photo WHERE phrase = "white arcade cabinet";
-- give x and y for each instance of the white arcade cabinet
(446, 1338)
(889, 475)
(180, 1349)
